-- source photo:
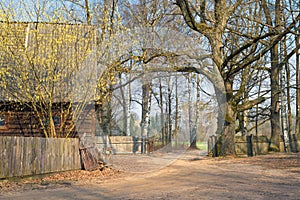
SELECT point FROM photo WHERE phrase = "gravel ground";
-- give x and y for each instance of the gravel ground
(170, 176)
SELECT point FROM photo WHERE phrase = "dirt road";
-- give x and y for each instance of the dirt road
(190, 177)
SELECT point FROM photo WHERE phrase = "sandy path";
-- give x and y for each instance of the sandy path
(190, 177)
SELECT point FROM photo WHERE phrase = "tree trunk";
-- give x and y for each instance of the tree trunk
(162, 121)
(288, 96)
(166, 125)
(275, 92)
(124, 107)
(283, 109)
(274, 143)
(226, 141)
(197, 121)
(297, 131)
(191, 123)
(128, 107)
(146, 105)
(176, 112)
(170, 110)
(257, 114)
(227, 144)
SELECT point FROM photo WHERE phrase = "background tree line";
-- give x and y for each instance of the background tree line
(174, 61)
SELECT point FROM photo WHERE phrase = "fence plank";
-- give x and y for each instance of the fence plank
(43, 155)
(24, 159)
(62, 154)
(13, 156)
(6, 157)
(28, 153)
(65, 155)
(69, 154)
(77, 154)
(17, 156)
(21, 143)
(54, 162)
(48, 156)
(10, 156)
(1, 156)
(38, 157)
(34, 155)
(53, 155)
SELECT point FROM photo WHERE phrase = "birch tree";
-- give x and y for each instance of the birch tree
(297, 131)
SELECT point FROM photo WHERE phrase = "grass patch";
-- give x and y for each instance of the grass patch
(201, 146)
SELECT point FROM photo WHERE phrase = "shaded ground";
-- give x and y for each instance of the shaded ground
(192, 176)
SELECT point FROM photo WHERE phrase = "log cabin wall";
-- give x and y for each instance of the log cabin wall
(19, 124)
(20, 120)
(26, 124)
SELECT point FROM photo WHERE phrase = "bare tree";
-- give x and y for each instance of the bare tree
(217, 23)
(297, 43)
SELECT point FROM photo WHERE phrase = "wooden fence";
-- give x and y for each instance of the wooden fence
(252, 145)
(244, 145)
(129, 144)
(23, 156)
(122, 144)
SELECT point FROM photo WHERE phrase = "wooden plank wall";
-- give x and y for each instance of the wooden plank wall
(26, 124)
(25, 156)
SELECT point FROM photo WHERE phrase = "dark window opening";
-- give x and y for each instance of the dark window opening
(2, 120)
(56, 120)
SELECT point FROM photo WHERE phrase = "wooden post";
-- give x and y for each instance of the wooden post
(249, 145)
(295, 144)
(143, 146)
(214, 146)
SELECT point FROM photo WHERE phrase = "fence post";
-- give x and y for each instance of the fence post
(143, 147)
(209, 145)
(295, 144)
(135, 145)
(214, 146)
(249, 145)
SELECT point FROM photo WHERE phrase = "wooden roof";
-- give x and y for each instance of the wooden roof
(48, 47)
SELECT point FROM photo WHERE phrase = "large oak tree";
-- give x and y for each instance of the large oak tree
(238, 36)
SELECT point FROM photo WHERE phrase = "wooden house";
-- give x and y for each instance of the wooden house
(46, 65)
